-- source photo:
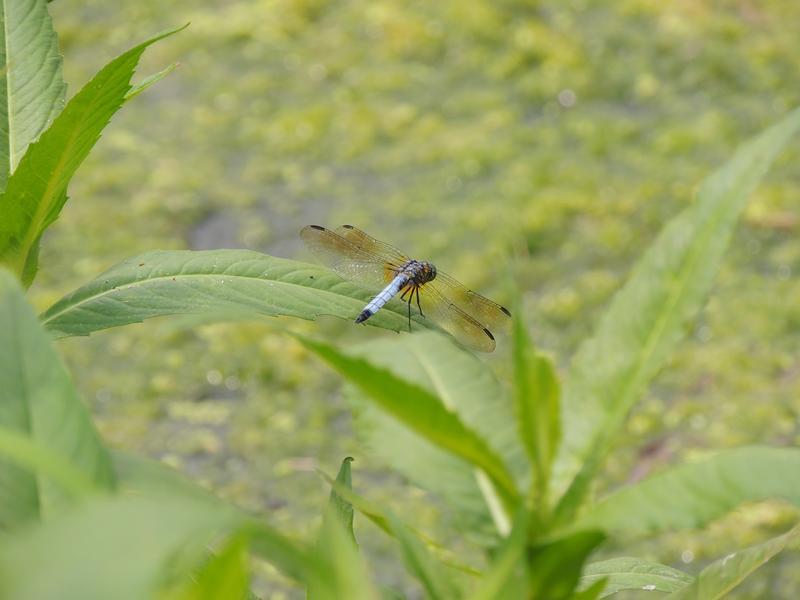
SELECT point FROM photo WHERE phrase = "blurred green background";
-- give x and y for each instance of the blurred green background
(547, 140)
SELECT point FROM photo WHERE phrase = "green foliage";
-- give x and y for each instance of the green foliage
(218, 284)
(648, 317)
(470, 390)
(338, 506)
(721, 576)
(627, 573)
(691, 495)
(37, 400)
(223, 575)
(100, 525)
(536, 400)
(421, 411)
(32, 90)
(36, 191)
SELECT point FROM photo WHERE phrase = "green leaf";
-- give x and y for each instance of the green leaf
(466, 386)
(648, 316)
(147, 478)
(138, 88)
(35, 192)
(721, 576)
(555, 567)
(691, 495)
(112, 547)
(421, 564)
(223, 575)
(339, 570)
(37, 460)
(220, 284)
(340, 507)
(421, 411)
(381, 520)
(32, 88)
(38, 401)
(536, 400)
(507, 574)
(592, 592)
(628, 573)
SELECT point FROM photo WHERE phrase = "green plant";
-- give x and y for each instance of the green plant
(515, 469)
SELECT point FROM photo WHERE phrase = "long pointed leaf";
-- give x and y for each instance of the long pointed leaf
(507, 576)
(110, 547)
(648, 317)
(339, 506)
(422, 411)
(628, 573)
(147, 478)
(37, 400)
(35, 192)
(31, 86)
(421, 564)
(466, 386)
(721, 576)
(339, 570)
(691, 495)
(218, 284)
(536, 400)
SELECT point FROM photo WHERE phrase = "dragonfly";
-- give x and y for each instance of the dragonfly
(360, 258)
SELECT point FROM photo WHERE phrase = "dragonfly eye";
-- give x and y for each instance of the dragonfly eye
(428, 272)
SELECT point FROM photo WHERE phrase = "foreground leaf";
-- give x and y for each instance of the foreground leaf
(340, 572)
(556, 566)
(507, 576)
(146, 478)
(223, 575)
(536, 401)
(219, 284)
(339, 506)
(691, 495)
(381, 519)
(721, 576)
(32, 88)
(467, 387)
(629, 573)
(38, 401)
(431, 574)
(421, 411)
(35, 192)
(648, 317)
(113, 547)
(22, 451)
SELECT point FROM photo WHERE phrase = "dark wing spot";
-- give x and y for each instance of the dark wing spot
(319, 227)
(489, 333)
(505, 310)
(141, 264)
(348, 226)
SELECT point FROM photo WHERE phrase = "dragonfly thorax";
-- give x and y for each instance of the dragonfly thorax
(419, 271)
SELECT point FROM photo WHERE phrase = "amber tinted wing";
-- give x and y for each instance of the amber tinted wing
(447, 315)
(368, 243)
(370, 265)
(483, 310)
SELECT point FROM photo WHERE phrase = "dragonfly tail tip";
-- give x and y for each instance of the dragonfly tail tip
(363, 316)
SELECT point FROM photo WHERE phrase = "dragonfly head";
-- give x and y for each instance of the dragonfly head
(427, 272)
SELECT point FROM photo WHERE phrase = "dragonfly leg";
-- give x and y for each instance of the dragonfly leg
(409, 311)
(418, 305)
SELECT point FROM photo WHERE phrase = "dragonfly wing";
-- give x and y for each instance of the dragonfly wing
(479, 307)
(347, 259)
(368, 243)
(454, 320)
